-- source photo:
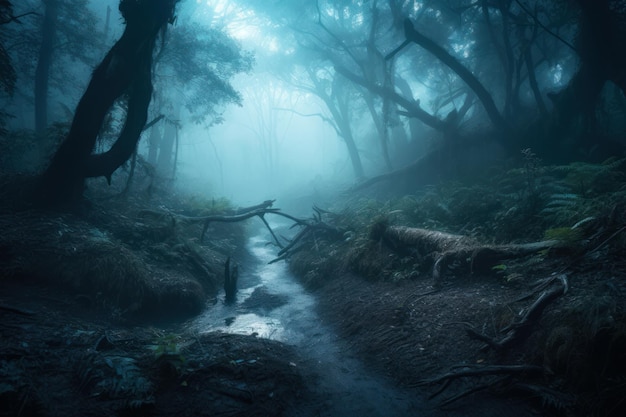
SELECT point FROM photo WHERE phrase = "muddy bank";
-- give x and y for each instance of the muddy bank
(59, 359)
(431, 292)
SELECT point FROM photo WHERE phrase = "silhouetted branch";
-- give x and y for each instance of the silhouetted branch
(466, 75)
(411, 106)
(544, 27)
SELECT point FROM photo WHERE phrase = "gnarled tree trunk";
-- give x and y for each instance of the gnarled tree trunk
(127, 68)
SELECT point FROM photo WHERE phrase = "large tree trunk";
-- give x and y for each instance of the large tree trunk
(126, 68)
(602, 26)
(42, 72)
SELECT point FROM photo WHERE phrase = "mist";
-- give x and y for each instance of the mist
(312, 208)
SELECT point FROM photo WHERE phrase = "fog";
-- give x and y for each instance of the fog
(312, 207)
(273, 145)
(289, 100)
(263, 149)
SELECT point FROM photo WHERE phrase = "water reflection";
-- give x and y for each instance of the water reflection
(286, 320)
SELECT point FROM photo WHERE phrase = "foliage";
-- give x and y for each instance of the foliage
(502, 208)
(591, 179)
(586, 346)
(116, 378)
(205, 206)
(8, 75)
(25, 152)
(78, 40)
(199, 63)
(566, 235)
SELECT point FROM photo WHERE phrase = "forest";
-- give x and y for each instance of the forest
(313, 208)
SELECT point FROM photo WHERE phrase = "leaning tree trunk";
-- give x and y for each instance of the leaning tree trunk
(127, 68)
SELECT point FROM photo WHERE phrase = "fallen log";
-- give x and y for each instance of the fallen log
(447, 248)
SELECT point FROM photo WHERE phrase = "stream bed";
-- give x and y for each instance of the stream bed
(272, 304)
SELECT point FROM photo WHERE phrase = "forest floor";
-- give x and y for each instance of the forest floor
(93, 301)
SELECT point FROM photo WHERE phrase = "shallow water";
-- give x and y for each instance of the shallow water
(348, 387)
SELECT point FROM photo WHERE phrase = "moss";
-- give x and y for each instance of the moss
(566, 235)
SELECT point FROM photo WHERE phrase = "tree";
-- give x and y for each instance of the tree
(7, 72)
(193, 70)
(602, 27)
(8, 75)
(51, 49)
(42, 73)
(126, 69)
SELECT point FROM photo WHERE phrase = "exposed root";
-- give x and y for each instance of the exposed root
(515, 332)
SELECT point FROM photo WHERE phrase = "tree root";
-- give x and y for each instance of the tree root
(465, 371)
(472, 371)
(521, 329)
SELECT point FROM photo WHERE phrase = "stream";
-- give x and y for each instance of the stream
(286, 312)
(272, 304)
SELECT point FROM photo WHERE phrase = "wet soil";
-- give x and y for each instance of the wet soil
(88, 345)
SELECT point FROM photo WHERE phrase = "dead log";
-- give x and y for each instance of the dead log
(449, 248)
(426, 241)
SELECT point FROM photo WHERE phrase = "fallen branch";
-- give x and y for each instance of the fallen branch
(473, 371)
(259, 210)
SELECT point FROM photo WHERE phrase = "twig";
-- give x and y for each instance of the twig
(470, 371)
(16, 310)
(544, 27)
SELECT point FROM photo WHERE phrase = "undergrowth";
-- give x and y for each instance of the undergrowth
(526, 204)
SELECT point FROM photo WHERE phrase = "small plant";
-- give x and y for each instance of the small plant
(566, 235)
(166, 346)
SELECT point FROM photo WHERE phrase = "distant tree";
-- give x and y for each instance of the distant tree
(42, 73)
(46, 48)
(193, 69)
(196, 67)
(67, 28)
(7, 72)
(126, 69)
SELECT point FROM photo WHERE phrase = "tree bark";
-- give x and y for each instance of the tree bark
(126, 68)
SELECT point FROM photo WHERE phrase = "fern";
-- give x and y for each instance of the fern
(586, 178)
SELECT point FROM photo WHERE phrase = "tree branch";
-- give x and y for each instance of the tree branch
(481, 92)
